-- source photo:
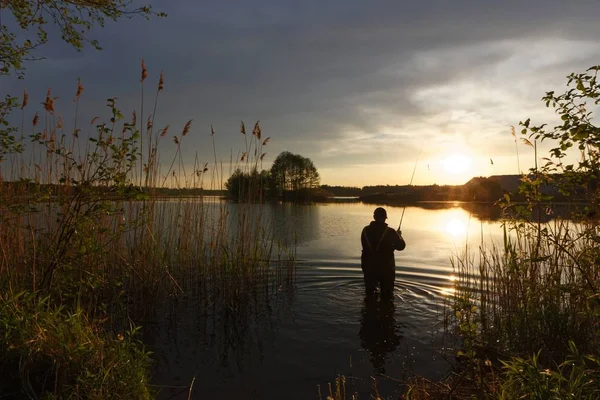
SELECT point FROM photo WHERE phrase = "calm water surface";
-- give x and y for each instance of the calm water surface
(321, 325)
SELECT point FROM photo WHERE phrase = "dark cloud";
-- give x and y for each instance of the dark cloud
(338, 81)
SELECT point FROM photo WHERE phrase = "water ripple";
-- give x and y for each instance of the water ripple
(418, 283)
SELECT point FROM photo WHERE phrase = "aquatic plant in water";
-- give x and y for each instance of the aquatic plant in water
(83, 226)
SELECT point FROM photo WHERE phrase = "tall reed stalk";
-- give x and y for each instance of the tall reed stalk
(88, 226)
(536, 291)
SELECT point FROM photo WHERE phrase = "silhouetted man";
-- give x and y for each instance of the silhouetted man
(377, 259)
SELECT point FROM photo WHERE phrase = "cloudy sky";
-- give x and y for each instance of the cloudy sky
(363, 88)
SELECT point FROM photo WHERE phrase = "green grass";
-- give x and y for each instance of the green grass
(49, 352)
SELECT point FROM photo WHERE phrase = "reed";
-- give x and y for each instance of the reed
(528, 309)
(88, 208)
(528, 305)
(537, 291)
(82, 224)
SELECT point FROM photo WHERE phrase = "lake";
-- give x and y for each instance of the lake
(321, 325)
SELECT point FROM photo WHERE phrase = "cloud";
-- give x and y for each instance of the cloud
(350, 84)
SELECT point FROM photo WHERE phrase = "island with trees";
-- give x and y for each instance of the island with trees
(295, 178)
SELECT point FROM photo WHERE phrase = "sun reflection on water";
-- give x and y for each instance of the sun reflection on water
(456, 227)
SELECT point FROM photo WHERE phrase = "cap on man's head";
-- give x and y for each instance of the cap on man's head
(380, 213)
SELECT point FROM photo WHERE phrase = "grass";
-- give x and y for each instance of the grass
(528, 309)
(84, 230)
(49, 352)
(538, 291)
(90, 205)
(528, 313)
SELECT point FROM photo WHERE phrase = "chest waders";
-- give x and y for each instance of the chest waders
(378, 267)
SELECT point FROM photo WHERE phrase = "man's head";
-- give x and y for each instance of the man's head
(380, 215)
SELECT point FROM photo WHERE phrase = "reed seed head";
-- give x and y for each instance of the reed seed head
(25, 99)
(149, 123)
(186, 128)
(164, 131)
(134, 118)
(79, 88)
(243, 128)
(257, 131)
(144, 72)
(49, 102)
(36, 119)
(264, 143)
(161, 82)
(527, 142)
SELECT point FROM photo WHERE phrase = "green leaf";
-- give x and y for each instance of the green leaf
(581, 135)
(141, 196)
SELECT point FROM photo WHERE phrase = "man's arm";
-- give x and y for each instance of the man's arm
(364, 240)
(399, 243)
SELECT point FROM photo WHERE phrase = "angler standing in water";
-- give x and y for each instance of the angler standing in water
(377, 259)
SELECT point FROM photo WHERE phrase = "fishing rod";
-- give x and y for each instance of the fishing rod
(410, 184)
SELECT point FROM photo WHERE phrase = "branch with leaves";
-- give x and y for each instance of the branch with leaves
(23, 25)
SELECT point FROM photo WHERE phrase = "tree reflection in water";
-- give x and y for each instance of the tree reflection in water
(379, 334)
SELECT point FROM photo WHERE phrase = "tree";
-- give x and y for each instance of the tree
(293, 173)
(247, 187)
(74, 19)
(576, 182)
(577, 133)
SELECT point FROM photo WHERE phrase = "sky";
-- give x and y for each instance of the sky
(368, 90)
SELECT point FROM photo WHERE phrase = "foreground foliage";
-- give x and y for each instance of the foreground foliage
(575, 378)
(50, 352)
(528, 311)
(83, 228)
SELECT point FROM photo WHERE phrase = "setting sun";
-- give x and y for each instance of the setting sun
(456, 163)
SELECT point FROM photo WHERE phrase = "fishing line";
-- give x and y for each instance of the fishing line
(410, 184)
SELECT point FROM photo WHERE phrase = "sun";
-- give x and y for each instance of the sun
(456, 228)
(456, 163)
